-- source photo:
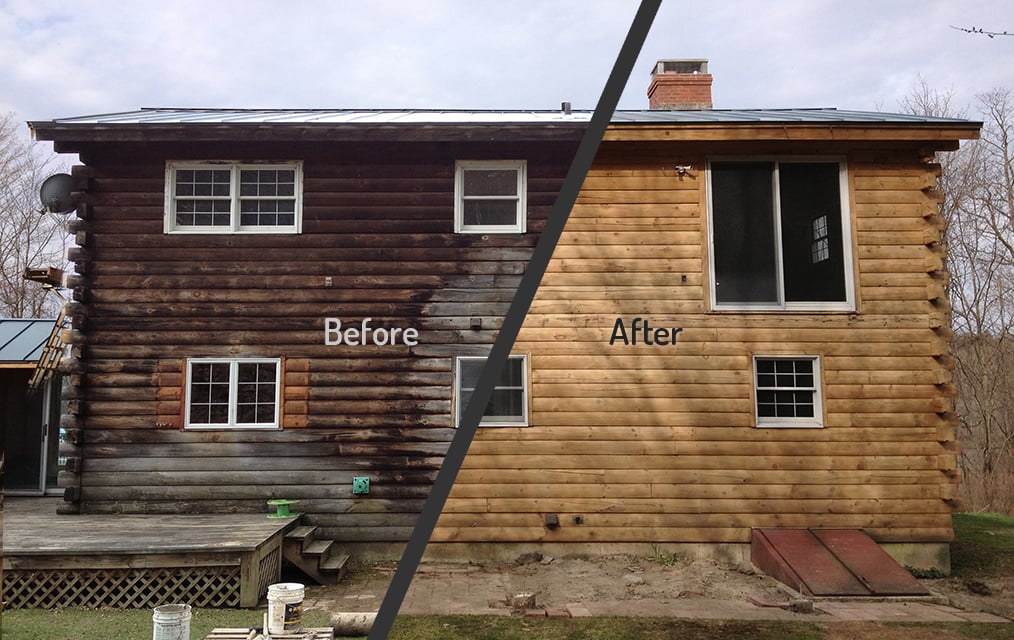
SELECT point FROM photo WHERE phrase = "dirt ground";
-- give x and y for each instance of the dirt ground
(994, 595)
(555, 582)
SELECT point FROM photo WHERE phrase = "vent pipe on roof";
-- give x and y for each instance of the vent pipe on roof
(680, 85)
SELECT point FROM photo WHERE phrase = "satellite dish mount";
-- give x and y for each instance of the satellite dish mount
(57, 192)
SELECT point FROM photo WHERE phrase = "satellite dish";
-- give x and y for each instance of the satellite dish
(56, 193)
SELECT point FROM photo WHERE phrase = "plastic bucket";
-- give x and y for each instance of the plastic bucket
(285, 607)
(171, 622)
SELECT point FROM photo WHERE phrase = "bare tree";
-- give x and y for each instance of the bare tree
(978, 184)
(28, 238)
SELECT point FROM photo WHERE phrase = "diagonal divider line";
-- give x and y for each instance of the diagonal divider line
(513, 320)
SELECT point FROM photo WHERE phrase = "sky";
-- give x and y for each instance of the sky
(59, 59)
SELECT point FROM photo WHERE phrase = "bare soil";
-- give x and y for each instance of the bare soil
(555, 582)
(991, 595)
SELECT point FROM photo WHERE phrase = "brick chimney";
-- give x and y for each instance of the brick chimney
(680, 84)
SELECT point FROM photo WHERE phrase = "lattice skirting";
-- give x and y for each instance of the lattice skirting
(122, 588)
(268, 570)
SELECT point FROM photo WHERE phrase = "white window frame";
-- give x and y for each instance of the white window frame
(520, 225)
(816, 422)
(781, 304)
(495, 421)
(233, 394)
(235, 168)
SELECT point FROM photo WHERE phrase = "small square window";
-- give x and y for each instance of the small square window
(233, 198)
(489, 196)
(232, 393)
(508, 405)
(787, 391)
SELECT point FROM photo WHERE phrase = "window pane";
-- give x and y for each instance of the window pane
(464, 397)
(491, 182)
(512, 374)
(470, 372)
(505, 404)
(812, 252)
(219, 414)
(744, 232)
(203, 182)
(490, 212)
(787, 389)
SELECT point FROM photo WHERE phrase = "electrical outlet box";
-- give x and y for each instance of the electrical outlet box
(360, 485)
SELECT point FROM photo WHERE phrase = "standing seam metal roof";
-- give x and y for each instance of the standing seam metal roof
(23, 340)
(170, 116)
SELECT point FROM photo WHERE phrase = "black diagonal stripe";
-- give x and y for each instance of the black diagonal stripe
(513, 320)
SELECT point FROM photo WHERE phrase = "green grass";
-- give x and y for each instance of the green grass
(504, 628)
(983, 545)
(115, 624)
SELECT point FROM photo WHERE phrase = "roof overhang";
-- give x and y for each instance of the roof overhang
(937, 135)
(278, 125)
(231, 125)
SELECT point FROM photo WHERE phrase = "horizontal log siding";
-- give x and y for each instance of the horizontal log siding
(378, 219)
(658, 444)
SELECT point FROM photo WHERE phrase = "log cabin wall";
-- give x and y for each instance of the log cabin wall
(659, 444)
(378, 221)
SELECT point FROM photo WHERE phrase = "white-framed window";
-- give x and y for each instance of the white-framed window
(508, 406)
(787, 391)
(779, 234)
(229, 197)
(233, 393)
(490, 196)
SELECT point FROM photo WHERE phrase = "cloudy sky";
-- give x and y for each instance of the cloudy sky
(59, 59)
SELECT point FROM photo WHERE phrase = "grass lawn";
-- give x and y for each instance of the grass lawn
(130, 624)
(983, 546)
(503, 628)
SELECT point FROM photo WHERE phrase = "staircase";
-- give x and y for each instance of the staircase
(318, 558)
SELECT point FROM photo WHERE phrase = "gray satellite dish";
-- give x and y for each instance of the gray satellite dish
(56, 193)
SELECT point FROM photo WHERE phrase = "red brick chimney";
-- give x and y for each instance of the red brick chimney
(680, 84)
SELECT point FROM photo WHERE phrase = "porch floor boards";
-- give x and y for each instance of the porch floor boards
(174, 557)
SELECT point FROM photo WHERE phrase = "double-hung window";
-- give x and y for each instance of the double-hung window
(489, 196)
(233, 393)
(508, 406)
(780, 235)
(787, 391)
(219, 197)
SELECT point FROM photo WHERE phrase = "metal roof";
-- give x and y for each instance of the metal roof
(171, 116)
(328, 116)
(776, 116)
(23, 340)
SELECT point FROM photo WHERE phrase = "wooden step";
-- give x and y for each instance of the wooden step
(318, 558)
(318, 548)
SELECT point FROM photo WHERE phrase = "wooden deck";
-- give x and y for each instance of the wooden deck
(140, 561)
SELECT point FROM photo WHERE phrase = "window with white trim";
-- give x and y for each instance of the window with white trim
(489, 196)
(233, 393)
(220, 197)
(508, 406)
(787, 391)
(780, 235)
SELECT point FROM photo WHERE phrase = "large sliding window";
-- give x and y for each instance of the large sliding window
(780, 235)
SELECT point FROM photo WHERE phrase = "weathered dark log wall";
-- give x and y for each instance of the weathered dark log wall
(378, 220)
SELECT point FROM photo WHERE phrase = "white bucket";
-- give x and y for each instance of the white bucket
(285, 607)
(171, 622)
